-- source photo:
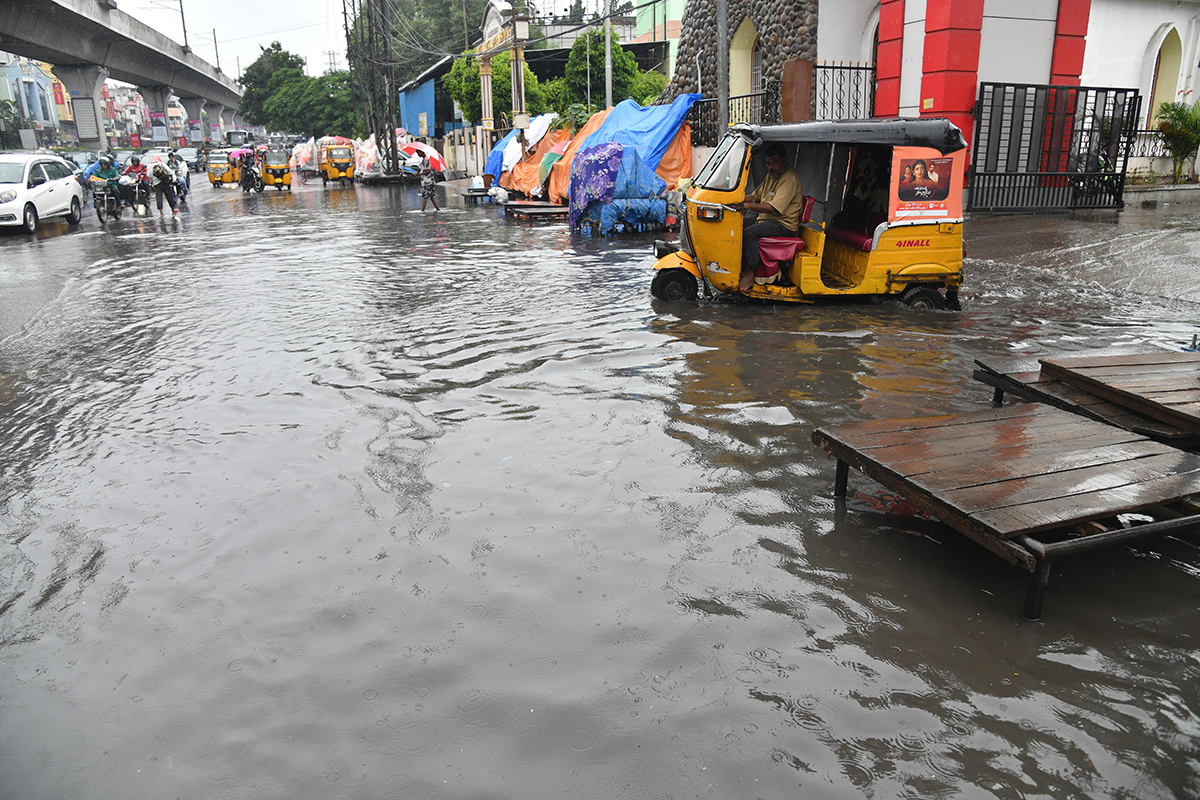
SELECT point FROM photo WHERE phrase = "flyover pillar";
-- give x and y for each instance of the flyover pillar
(156, 98)
(227, 118)
(215, 111)
(193, 106)
(85, 85)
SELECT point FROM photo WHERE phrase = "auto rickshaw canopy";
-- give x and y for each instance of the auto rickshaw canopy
(937, 133)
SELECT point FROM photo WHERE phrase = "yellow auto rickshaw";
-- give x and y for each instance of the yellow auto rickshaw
(868, 227)
(277, 170)
(222, 170)
(338, 163)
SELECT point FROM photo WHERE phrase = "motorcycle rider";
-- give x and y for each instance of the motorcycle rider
(163, 181)
(136, 170)
(248, 170)
(182, 179)
(106, 172)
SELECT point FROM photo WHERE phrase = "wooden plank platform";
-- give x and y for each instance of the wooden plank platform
(1164, 386)
(528, 210)
(1029, 482)
(1026, 379)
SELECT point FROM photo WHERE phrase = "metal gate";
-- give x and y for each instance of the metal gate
(1051, 147)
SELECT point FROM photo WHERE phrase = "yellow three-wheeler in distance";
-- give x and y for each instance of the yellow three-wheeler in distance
(338, 164)
(881, 215)
(221, 170)
(277, 169)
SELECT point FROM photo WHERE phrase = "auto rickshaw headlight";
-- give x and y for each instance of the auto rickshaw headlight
(663, 249)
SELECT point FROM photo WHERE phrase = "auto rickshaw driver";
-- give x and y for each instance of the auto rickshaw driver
(778, 200)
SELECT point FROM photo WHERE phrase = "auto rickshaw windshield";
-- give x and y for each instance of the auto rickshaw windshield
(276, 158)
(723, 171)
(339, 152)
(218, 158)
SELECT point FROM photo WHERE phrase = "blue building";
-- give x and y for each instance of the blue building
(32, 90)
(425, 107)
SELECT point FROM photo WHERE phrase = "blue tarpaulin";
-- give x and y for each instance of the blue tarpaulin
(649, 129)
(495, 160)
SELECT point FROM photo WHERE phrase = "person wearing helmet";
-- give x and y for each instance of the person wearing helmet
(136, 170)
(163, 180)
(105, 171)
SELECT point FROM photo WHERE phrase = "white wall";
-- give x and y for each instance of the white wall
(1017, 41)
(913, 60)
(846, 30)
(1123, 39)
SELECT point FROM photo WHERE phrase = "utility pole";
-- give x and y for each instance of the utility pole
(608, 54)
(216, 52)
(466, 38)
(722, 66)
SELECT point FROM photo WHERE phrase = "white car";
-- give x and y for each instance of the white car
(35, 186)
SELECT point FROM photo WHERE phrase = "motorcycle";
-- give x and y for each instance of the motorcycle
(106, 199)
(252, 179)
(141, 193)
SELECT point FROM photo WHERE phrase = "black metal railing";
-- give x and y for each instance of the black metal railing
(705, 121)
(758, 108)
(1148, 144)
(843, 91)
(1043, 146)
(747, 108)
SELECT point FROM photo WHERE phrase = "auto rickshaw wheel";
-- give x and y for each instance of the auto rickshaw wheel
(922, 297)
(674, 285)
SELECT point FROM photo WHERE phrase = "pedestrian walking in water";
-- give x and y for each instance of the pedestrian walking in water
(428, 192)
(164, 186)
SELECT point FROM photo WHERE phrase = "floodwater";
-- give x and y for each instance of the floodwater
(317, 496)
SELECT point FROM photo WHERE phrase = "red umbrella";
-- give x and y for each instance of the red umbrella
(420, 148)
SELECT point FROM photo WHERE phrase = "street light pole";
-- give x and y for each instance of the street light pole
(184, 23)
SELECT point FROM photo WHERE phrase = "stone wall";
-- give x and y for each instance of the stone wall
(787, 29)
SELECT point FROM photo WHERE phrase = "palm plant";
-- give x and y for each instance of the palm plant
(1180, 127)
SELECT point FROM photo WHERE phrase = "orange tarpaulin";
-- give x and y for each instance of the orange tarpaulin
(524, 176)
(560, 173)
(677, 161)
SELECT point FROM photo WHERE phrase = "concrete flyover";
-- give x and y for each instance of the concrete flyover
(90, 40)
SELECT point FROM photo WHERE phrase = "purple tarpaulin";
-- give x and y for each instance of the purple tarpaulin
(593, 177)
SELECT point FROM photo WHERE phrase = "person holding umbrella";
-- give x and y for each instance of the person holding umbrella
(428, 191)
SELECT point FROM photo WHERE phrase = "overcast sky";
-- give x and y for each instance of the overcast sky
(308, 28)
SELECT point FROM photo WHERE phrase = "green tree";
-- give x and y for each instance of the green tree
(647, 86)
(463, 84)
(585, 66)
(14, 120)
(257, 76)
(575, 12)
(320, 106)
(1180, 127)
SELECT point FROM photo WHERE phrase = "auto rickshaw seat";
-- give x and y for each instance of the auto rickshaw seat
(854, 230)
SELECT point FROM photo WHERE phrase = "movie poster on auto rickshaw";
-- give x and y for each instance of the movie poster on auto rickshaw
(926, 185)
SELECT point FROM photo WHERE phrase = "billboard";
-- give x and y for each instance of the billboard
(158, 126)
(926, 186)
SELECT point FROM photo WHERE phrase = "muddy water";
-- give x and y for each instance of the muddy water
(316, 496)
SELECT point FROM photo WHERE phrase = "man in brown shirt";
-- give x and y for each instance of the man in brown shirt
(777, 200)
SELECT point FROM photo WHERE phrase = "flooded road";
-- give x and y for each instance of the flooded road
(317, 496)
